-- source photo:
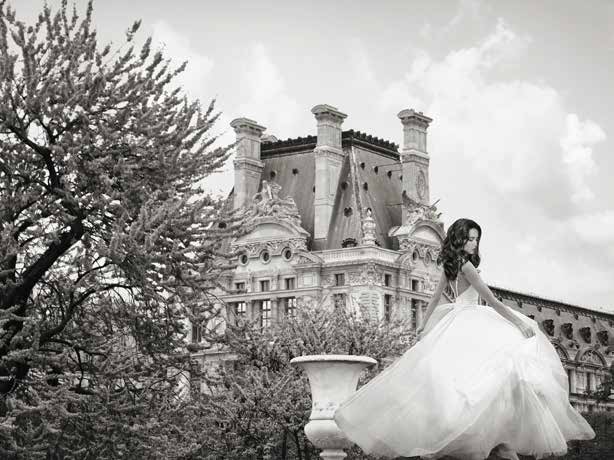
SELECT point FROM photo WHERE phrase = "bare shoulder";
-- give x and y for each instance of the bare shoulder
(469, 269)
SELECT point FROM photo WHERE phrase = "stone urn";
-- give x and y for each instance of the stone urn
(333, 378)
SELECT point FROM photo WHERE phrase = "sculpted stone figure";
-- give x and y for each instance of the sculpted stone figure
(267, 202)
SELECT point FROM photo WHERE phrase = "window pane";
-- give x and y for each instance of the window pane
(265, 310)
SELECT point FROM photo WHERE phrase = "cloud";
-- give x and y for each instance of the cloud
(194, 82)
(178, 47)
(512, 155)
(578, 154)
(266, 97)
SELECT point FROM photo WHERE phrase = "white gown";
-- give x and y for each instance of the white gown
(472, 382)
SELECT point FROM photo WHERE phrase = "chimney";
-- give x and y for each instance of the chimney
(247, 164)
(414, 158)
(328, 161)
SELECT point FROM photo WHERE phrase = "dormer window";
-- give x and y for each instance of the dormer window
(349, 243)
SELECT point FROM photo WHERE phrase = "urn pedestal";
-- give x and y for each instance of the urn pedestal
(333, 378)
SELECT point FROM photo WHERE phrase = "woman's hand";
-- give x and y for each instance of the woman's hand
(527, 331)
(419, 332)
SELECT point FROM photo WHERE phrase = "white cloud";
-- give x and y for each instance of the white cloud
(266, 97)
(510, 154)
(578, 154)
(194, 81)
(178, 47)
(595, 228)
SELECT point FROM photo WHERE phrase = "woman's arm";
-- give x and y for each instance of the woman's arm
(435, 299)
(474, 278)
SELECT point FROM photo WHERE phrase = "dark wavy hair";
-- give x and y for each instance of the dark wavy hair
(452, 255)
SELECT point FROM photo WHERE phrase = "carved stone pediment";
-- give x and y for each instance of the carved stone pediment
(424, 237)
(276, 224)
(592, 357)
(272, 234)
(306, 258)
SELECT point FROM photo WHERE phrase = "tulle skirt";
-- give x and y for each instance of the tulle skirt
(473, 381)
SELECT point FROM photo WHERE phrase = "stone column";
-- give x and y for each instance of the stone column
(249, 309)
(419, 313)
(275, 301)
(414, 159)
(572, 380)
(328, 161)
(247, 165)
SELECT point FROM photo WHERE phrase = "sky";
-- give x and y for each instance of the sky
(520, 94)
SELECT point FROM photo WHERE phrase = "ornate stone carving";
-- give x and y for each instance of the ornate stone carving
(368, 229)
(548, 325)
(602, 336)
(406, 244)
(560, 352)
(275, 247)
(591, 357)
(268, 203)
(417, 211)
(328, 280)
(303, 260)
(430, 283)
(354, 278)
(585, 333)
(567, 330)
(369, 275)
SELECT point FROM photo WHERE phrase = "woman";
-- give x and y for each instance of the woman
(479, 378)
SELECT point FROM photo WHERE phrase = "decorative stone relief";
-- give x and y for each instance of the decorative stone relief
(299, 260)
(354, 278)
(406, 244)
(585, 333)
(418, 211)
(430, 283)
(328, 280)
(591, 357)
(368, 229)
(369, 275)
(548, 325)
(567, 330)
(560, 352)
(275, 247)
(603, 337)
(268, 203)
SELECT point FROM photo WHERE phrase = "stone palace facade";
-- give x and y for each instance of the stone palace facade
(345, 219)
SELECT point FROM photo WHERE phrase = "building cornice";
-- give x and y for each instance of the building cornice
(549, 303)
(348, 138)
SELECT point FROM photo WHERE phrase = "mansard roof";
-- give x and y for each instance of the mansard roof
(368, 160)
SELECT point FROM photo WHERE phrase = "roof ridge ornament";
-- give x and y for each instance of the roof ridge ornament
(368, 229)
